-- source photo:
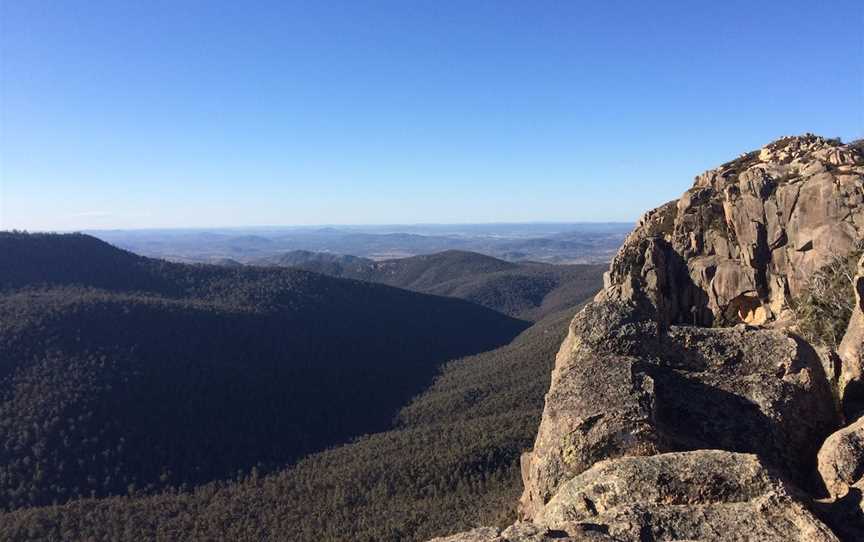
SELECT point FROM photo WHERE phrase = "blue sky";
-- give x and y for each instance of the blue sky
(192, 114)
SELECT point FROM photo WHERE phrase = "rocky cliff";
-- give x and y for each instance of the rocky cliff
(683, 405)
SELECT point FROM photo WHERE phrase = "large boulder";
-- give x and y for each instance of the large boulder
(701, 495)
(623, 387)
(841, 459)
(841, 466)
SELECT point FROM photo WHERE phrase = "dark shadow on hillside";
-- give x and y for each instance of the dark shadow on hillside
(207, 373)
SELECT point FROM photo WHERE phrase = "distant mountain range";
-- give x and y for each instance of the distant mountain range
(527, 290)
(551, 243)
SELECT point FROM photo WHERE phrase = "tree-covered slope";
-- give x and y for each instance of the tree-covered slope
(120, 373)
(525, 290)
(451, 462)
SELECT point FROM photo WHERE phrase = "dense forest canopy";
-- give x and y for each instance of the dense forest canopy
(450, 463)
(527, 290)
(143, 399)
(121, 374)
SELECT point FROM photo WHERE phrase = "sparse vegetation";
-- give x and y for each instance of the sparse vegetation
(823, 312)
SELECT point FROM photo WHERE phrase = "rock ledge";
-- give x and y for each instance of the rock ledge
(682, 405)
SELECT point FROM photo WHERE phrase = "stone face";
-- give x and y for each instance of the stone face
(670, 415)
(851, 350)
(841, 459)
(701, 495)
(742, 243)
(845, 515)
(621, 387)
(529, 532)
(481, 534)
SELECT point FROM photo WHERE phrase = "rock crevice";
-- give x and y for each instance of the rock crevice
(682, 404)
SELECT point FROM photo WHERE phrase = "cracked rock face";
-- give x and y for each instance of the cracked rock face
(701, 495)
(851, 350)
(743, 241)
(680, 407)
(620, 388)
(530, 532)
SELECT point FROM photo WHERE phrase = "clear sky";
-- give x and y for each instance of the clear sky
(181, 113)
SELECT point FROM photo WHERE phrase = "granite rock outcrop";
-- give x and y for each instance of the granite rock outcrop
(683, 404)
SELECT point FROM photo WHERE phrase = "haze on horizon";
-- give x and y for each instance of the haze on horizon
(213, 114)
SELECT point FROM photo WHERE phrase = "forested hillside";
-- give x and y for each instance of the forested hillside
(526, 290)
(452, 462)
(121, 374)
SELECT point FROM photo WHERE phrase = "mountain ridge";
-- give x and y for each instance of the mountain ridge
(168, 364)
(555, 243)
(456, 446)
(528, 290)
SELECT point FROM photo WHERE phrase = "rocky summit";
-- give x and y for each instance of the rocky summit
(684, 403)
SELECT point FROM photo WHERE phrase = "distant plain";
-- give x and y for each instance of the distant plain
(584, 242)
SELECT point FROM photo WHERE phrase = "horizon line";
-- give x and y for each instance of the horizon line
(327, 225)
